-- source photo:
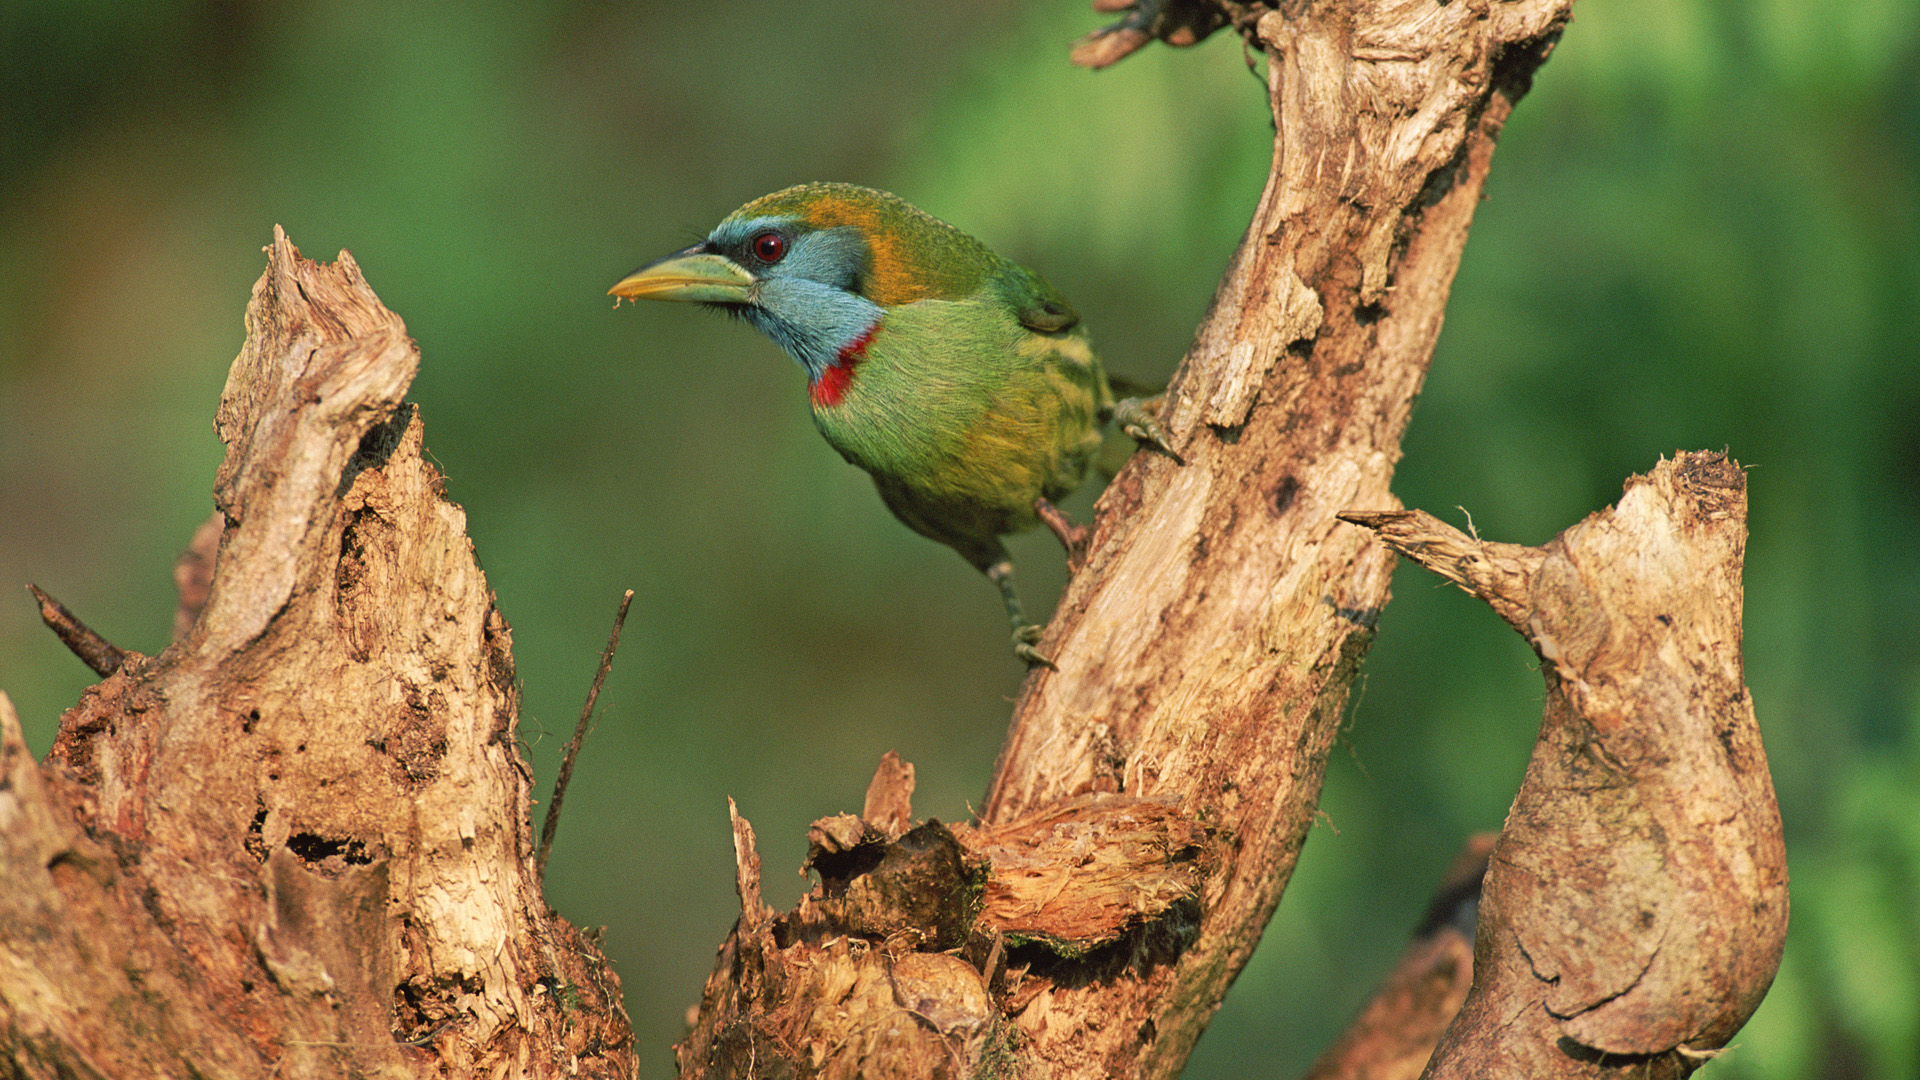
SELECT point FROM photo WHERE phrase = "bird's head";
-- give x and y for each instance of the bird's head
(816, 267)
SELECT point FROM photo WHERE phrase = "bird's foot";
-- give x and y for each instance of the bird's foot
(1072, 537)
(1025, 637)
(1140, 419)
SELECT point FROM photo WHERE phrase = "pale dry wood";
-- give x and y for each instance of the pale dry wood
(826, 990)
(296, 842)
(889, 803)
(1206, 651)
(1636, 907)
(1087, 872)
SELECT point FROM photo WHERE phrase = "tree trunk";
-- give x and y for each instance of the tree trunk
(296, 843)
(1206, 650)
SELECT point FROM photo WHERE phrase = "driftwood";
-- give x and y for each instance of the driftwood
(296, 843)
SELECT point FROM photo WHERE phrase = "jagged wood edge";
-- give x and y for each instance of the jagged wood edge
(302, 842)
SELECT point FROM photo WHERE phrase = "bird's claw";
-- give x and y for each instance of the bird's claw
(1140, 419)
(1025, 637)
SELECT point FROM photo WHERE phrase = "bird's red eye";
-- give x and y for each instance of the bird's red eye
(768, 247)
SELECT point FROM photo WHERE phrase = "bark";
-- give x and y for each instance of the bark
(1636, 905)
(296, 842)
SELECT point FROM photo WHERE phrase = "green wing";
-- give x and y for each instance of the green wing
(1035, 302)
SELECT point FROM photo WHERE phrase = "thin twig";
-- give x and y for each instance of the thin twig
(579, 736)
(93, 650)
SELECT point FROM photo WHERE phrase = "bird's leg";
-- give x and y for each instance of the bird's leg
(1140, 418)
(1025, 634)
(1072, 537)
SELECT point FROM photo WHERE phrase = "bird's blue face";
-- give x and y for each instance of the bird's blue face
(796, 284)
(806, 295)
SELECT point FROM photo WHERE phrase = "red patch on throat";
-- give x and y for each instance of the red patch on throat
(831, 386)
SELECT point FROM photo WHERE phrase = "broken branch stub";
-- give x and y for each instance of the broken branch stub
(302, 843)
(1637, 903)
(905, 957)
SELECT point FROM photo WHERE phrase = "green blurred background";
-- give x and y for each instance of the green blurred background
(1700, 232)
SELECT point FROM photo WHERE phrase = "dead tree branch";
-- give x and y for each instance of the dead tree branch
(297, 842)
(551, 827)
(1636, 905)
(1206, 651)
(1395, 1033)
(103, 656)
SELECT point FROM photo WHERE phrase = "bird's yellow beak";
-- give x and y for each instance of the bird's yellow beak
(694, 275)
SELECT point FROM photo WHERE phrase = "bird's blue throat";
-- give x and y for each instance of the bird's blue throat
(818, 325)
(831, 385)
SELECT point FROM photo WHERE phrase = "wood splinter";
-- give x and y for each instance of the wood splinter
(103, 656)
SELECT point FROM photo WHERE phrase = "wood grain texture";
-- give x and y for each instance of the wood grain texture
(1636, 906)
(296, 842)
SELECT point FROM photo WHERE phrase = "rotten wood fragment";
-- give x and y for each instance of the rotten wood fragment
(1079, 875)
(1066, 895)
(889, 803)
(839, 987)
(1637, 903)
(746, 861)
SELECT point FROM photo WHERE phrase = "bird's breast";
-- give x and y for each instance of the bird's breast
(964, 404)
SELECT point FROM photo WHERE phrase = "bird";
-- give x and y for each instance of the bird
(963, 383)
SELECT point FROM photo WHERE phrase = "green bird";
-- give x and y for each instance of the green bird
(961, 382)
